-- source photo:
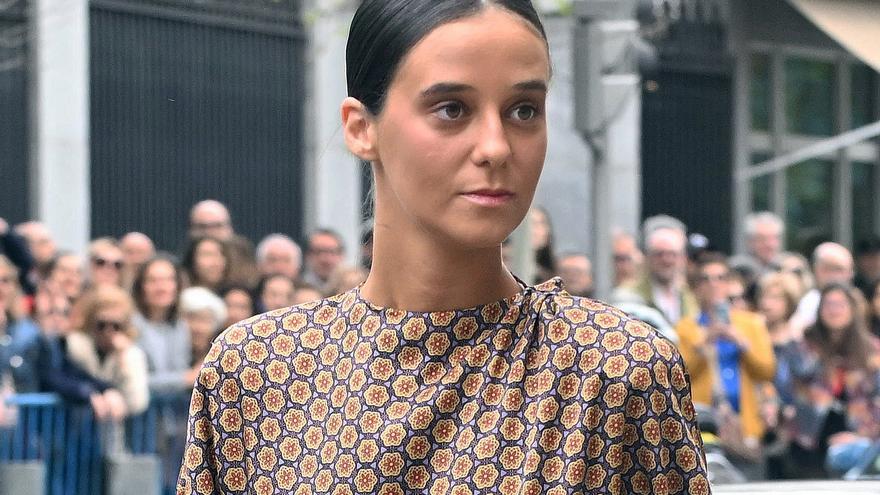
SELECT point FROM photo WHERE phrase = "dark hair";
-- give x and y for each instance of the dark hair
(384, 31)
(708, 258)
(854, 346)
(240, 288)
(137, 286)
(328, 232)
(189, 258)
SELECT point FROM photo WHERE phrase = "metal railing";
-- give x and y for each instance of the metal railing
(64, 449)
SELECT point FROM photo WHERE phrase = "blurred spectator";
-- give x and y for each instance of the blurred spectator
(797, 265)
(40, 241)
(210, 218)
(105, 262)
(274, 292)
(137, 249)
(306, 293)
(664, 286)
(542, 244)
(65, 272)
(16, 250)
(163, 335)
(325, 252)
(576, 272)
(345, 278)
(42, 247)
(764, 236)
(105, 348)
(240, 304)
(778, 295)
(627, 259)
(838, 386)
(738, 293)
(832, 264)
(867, 265)
(58, 374)
(206, 263)
(874, 310)
(279, 254)
(728, 354)
(19, 336)
(204, 313)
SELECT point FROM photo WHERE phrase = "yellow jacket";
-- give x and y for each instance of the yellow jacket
(757, 364)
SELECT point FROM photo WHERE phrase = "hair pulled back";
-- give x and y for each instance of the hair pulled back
(384, 31)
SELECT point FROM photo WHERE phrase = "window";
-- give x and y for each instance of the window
(809, 96)
(761, 91)
(809, 205)
(863, 202)
(864, 95)
(762, 187)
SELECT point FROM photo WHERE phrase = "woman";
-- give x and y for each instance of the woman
(207, 263)
(240, 304)
(162, 334)
(205, 313)
(778, 296)
(837, 386)
(447, 104)
(105, 349)
(275, 292)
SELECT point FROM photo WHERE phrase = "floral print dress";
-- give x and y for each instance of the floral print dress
(541, 392)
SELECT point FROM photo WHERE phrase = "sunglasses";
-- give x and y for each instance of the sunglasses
(102, 262)
(104, 325)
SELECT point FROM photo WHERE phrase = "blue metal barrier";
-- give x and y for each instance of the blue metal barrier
(68, 440)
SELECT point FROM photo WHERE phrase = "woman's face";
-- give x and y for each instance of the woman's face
(773, 304)
(460, 144)
(160, 285)
(210, 264)
(201, 327)
(278, 293)
(836, 312)
(109, 322)
(238, 306)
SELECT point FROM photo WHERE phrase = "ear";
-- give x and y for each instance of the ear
(358, 127)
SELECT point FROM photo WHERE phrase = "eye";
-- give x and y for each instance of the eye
(452, 110)
(524, 112)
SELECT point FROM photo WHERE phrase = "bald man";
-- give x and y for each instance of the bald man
(832, 264)
(137, 249)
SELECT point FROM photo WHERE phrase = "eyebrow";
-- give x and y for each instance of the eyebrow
(448, 87)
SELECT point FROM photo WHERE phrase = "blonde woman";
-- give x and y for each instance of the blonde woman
(105, 349)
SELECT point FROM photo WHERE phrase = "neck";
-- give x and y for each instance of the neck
(157, 314)
(419, 273)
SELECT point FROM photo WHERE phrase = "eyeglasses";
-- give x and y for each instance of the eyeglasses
(59, 311)
(319, 251)
(705, 277)
(209, 225)
(734, 298)
(104, 325)
(103, 262)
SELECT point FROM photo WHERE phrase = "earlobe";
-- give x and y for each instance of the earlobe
(357, 127)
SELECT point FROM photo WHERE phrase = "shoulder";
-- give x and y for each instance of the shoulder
(748, 320)
(594, 327)
(281, 332)
(24, 330)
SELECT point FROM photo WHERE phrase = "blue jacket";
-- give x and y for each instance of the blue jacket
(20, 355)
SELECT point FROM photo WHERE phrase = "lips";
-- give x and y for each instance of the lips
(489, 197)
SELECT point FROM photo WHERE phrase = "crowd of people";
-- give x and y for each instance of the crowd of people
(782, 351)
(124, 325)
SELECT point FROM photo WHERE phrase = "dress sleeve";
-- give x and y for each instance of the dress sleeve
(207, 457)
(662, 444)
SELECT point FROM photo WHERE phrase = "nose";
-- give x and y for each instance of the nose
(492, 145)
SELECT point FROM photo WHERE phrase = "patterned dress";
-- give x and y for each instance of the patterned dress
(541, 392)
